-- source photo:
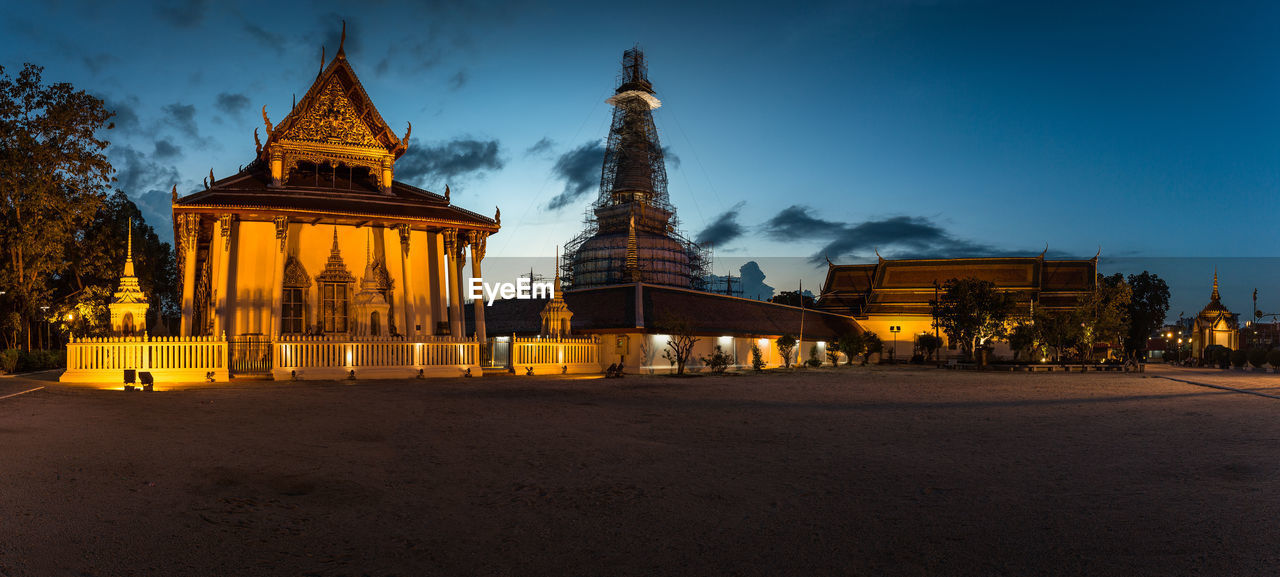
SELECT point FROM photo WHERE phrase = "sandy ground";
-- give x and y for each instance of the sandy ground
(863, 471)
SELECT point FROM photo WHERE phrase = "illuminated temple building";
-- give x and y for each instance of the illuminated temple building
(1215, 325)
(316, 239)
(898, 293)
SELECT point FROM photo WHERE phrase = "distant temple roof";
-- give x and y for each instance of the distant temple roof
(333, 156)
(614, 309)
(908, 286)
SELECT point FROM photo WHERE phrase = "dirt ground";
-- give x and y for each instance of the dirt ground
(860, 471)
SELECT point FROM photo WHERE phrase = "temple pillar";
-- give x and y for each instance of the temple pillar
(188, 235)
(452, 252)
(478, 241)
(406, 291)
(436, 279)
(478, 248)
(222, 246)
(277, 276)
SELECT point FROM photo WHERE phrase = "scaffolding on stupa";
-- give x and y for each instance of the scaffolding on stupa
(631, 231)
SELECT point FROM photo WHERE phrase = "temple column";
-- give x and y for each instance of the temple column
(406, 290)
(452, 252)
(436, 279)
(277, 276)
(188, 228)
(222, 315)
(478, 240)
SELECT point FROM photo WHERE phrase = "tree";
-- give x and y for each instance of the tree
(852, 345)
(833, 353)
(813, 361)
(757, 359)
(929, 344)
(1148, 304)
(718, 361)
(873, 346)
(786, 343)
(1025, 337)
(1103, 314)
(793, 298)
(680, 343)
(96, 258)
(53, 177)
(973, 312)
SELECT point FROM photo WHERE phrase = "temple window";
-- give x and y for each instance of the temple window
(334, 299)
(293, 302)
(291, 312)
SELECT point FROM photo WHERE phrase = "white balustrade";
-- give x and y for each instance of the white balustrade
(555, 356)
(171, 359)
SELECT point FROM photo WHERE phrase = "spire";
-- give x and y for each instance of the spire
(633, 256)
(342, 41)
(1215, 297)
(634, 169)
(128, 259)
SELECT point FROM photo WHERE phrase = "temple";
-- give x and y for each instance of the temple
(893, 298)
(272, 252)
(129, 304)
(1215, 325)
(632, 233)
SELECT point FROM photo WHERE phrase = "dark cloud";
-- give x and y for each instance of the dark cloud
(448, 161)
(580, 169)
(166, 150)
(157, 208)
(232, 104)
(126, 118)
(458, 80)
(183, 13)
(181, 117)
(900, 236)
(541, 148)
(265, 37)
(669, 158)
(96, 63)
(752, 279)
(723, 229)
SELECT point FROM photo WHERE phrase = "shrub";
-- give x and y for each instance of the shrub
(1239, 357)
(757, 359)
(1257, 358)
(813, 361)
(786, 344)
(718, 361)
(833, 353)
(1224, 358)
(29, 361)
(1273, 358)
(9, 361)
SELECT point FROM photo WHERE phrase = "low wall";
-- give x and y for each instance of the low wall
(320, 358)
(168, 359)
(555, 356)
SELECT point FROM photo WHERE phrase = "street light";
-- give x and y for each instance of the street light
(893, 353)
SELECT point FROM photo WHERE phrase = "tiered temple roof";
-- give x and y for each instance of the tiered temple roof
(906, 287)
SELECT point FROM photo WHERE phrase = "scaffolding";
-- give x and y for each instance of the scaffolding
(631, 233)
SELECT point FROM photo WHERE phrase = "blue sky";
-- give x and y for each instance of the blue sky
(916, 127)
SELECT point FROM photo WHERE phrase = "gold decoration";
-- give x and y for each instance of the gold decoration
(224, 224)
(282, 230)
(266, 120)
(403, 229)
(333, 119)
(295, 276)
(478, 240)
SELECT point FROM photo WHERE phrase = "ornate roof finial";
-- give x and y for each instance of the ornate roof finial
(266, 120)
(321, 71)
(405, 141)
(206, 183)
(175, 193)
(1045, 251)
(211, 178)
(128, 259)
(877, 251)
(824, 255)
(342, 41)
(257, 143)
(1215, 297)
(1095, 257)
(446, 193)
(497, 215)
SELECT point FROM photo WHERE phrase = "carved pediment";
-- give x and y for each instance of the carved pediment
(331, 118)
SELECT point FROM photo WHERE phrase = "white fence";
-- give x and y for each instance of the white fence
(168, 359)
(555, 356)
(328, 358)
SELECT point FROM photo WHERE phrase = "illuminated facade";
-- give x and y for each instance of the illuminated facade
(316, 239)
(1215, 325)
(897, 294)
(129, 304)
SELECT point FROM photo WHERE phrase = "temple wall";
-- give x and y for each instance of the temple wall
(250, 291)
